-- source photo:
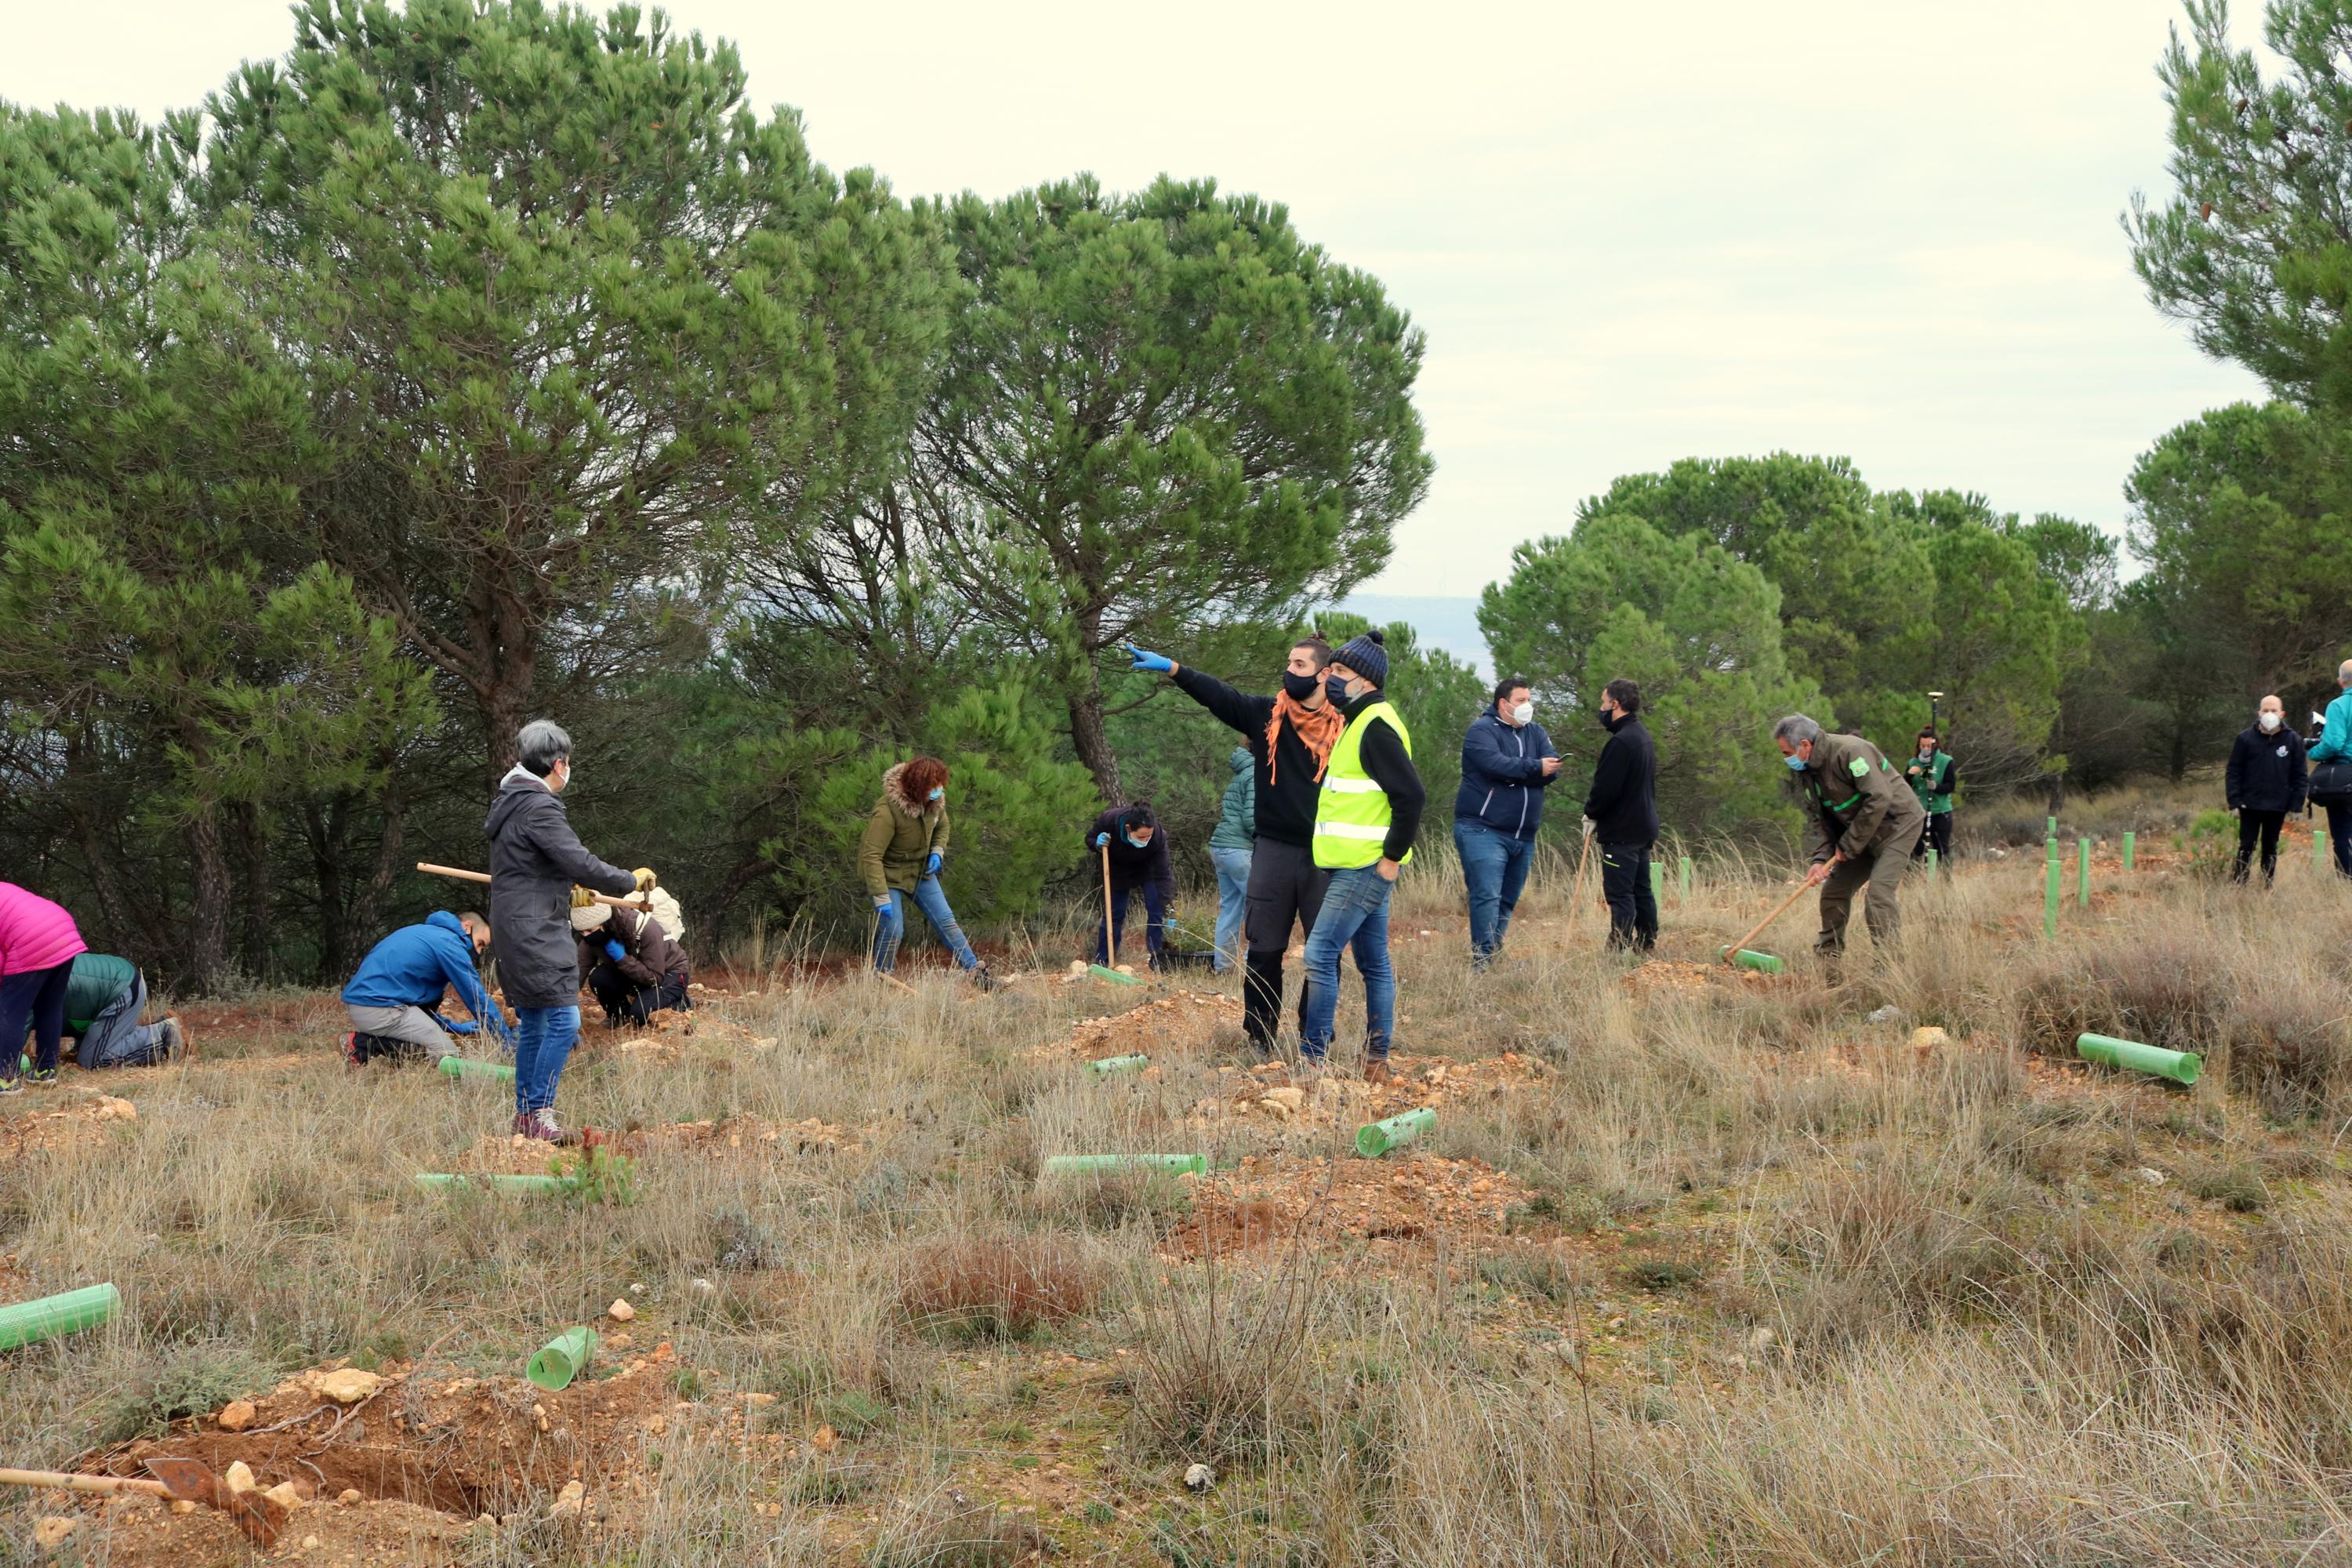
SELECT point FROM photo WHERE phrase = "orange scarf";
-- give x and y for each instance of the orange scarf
(1317, 729)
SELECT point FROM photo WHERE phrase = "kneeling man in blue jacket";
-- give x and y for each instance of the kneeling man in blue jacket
(394, 999)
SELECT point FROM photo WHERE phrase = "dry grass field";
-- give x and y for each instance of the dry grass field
(1692, 1267)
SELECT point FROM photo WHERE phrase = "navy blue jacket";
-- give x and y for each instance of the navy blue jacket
(1502, 774)
(411, 967)
(2266, 770)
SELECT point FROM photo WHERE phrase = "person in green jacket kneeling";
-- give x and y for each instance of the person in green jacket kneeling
(905, 845)
(104, 998)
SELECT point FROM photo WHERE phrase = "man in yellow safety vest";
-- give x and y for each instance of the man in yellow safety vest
(1365, 820)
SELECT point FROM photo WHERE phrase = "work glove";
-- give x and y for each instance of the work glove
(1157, 663)
(615, 952)
(882, 902)
(459, 1025)
(1588, 826)
(1101, 840)
(931, 866)
(581, 899)
(644, 876)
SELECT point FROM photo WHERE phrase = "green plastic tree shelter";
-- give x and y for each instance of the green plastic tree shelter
(2128, 838)
(2319, 848)
(467, 1067)
(2083, 872)
(1106, 1067)
(30, 1322)
(1686, 878)
(1658, 881)
(1125, 1165)
(1931, 864)
(1101, 972)
(1377, 1139)
(2049, 899)
(2180, 1067)
(496, 1181)
(560, 1360)
(1748, 958)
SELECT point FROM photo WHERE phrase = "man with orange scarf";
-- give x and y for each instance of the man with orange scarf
(1290, 736)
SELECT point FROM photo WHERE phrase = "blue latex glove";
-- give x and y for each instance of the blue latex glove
(1101, 840)
(459, 1025)
(931, 866)
(615, 952)
(1157, 663)
(882, 901)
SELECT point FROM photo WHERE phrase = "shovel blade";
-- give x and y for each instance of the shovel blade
(259, 1516)
(188, 1480)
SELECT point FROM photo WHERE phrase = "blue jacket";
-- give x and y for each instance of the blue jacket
(2335, 743)
(1502, 774)
(411, 967)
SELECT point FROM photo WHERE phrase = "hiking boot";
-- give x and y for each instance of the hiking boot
(1375, 1070)
(176, 1048)
(981, 977)
(354, 1053)
(543, 1125)
(42, 1078)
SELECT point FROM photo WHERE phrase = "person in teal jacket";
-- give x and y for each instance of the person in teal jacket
(2334, 745)
(1229, 851)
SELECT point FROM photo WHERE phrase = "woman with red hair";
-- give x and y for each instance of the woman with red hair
(906, 839)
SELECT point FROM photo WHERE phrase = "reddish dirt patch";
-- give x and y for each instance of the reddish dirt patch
(48, 1122)
(1260, 1098)
(1272, 1198)
(1184, 1023)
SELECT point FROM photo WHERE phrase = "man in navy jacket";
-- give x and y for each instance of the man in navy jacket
(1506, 763)
(394, 999)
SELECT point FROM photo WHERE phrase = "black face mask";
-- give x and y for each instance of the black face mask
(1300, 686)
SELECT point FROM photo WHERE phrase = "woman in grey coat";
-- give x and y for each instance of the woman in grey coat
(538, 871)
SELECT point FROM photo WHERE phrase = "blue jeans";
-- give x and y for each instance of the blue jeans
(544, 1040)
(1155, 930)
(1233, 897)
(890, 926)
(1355, 915)
(1495, 869)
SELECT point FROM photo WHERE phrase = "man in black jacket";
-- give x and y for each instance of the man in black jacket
(2265, 781)
(1620, 812)
(1290, 736)
(540, 872)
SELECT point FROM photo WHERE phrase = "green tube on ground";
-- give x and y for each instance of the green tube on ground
(2083, 872)
(1686, 878)
(1125, 1165)
(496, 1181)
(1748, 958)
(1105, 1067)
(2049, 900)
(2180, 1067)
(467, 1067)
(1102, 972)
(559, 1361)
(2127, 849)
(30, 1322)
(1377, 1139)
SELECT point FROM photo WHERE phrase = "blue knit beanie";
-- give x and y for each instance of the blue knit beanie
(1367, 656)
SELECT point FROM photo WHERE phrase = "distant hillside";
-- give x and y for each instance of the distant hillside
(1451, 624)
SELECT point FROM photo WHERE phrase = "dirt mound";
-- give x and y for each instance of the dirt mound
(65, 1126)
(513, 1154)
(1269, 1199)
(1185, 1022)
(1671, 974)
(1261, 1099)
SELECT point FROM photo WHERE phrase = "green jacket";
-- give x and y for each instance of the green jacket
(1856, 801)
(96, 980)
(899, 838)
(1932, 781)
(1237, 822)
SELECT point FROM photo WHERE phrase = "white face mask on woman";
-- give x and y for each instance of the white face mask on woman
(2267, 720)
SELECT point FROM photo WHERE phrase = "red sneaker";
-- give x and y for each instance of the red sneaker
(354, 1058)
(543, 1125)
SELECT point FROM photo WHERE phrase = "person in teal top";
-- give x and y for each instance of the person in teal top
(104, 997)
(1229, 851)
(2334, 745)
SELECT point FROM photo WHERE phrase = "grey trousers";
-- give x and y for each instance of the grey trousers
(116, 1038)
(1881, 872)
(411, 1025)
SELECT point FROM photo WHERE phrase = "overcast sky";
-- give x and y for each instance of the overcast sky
(1633, 233)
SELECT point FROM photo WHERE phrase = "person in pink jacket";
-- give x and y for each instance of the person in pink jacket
(37, 944)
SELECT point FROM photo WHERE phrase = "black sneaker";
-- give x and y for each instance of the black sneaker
(981, 977)
(10, 1085)
(42, 1078)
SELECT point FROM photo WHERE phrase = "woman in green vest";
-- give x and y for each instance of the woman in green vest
(1933, 777)
(1365, 821)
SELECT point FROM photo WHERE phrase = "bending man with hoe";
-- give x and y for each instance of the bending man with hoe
(394, 997)
(540, 872)
(1137, 851)
(1364, 824)
(1863, 821)
(1290, 737)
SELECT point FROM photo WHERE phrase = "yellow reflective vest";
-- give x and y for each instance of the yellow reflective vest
(1352, 813)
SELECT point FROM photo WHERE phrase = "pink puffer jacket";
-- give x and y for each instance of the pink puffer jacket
(34, 934)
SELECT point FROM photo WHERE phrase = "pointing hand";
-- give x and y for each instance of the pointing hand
(1158, 663)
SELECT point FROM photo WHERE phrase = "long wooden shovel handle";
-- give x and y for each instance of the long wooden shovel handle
(1731, 953)
(1110, 953)
(104, 1484)
(640, 905)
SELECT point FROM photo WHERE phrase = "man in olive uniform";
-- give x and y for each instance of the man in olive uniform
(1865, 821)
(1933, 777)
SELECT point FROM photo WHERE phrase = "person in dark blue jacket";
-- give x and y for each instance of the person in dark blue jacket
(2263, 785)
(1508, 762)
(394, 999)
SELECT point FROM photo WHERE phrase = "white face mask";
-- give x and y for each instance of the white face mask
(1523, 712)
(2268, 720)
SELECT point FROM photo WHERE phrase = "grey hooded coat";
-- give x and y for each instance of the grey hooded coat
(535, 858)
